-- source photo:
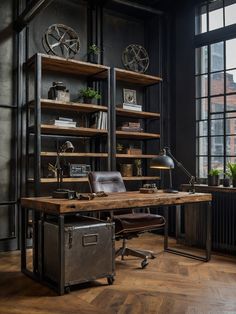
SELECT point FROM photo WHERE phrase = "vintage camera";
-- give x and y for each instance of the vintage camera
(58, 91)
(78, 170)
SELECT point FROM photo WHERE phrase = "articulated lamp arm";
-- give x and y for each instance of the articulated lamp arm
(179, 164)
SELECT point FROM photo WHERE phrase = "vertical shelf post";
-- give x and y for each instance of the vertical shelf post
(112, 122)
(37, 123)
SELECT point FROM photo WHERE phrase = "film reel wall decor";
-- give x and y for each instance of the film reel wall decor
(61, 40)
(135, 58)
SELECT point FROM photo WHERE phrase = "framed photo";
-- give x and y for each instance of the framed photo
(130, 96)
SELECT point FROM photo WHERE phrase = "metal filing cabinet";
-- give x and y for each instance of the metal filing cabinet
(89, 251)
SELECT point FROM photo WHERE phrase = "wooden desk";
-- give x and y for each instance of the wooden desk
(43, 206)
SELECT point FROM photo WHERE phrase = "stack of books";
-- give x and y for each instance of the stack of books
(66, 122)
(99, 120)
(131, 127)
(129, 106)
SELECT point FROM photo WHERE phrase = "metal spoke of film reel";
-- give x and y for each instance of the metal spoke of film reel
(61, 40)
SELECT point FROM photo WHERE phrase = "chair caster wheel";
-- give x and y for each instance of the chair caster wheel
(67, 290)
(144, 263)
(110, 280)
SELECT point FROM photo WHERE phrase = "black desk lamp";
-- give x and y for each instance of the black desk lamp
(59, 192)
(166, 161)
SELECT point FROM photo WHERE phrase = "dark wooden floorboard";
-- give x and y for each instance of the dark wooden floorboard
(169, 284)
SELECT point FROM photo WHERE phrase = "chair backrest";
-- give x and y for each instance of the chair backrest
(107, 181)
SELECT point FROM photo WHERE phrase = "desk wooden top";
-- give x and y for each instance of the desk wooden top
(112, 201)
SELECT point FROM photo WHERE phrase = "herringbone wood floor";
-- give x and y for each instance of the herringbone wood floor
(169, 284)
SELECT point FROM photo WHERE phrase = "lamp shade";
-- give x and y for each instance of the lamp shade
(162, 161)
(67, 147)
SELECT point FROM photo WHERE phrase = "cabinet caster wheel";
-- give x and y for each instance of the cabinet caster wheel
(67, 290)
(144, 263)
(110, 280)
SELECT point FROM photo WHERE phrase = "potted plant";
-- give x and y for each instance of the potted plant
(93, 52)
(88, 94)
(213, 177)
(231, 170)
(120, 148)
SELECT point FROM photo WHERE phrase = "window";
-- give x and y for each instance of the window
(215, 81)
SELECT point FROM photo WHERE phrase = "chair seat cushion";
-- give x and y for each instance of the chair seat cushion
(137, 222)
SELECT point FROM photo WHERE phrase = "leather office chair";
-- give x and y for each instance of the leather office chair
(128, 223)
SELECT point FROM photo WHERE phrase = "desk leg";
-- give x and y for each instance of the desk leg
(208, 239)
(61, 257)
(208, 235)
(23, 238)
(166, 215)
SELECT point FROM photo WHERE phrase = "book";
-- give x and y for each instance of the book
(128, 106)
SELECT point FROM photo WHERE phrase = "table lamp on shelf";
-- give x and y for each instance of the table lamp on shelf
(167, 161)
(59, 192)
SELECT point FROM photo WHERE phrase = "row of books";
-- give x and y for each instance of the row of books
(99, 120)
(131, 127)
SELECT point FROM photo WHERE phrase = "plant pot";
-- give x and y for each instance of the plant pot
(226, 182)
(213, 180)
(234, 182)
(93, 58)
(87, 100)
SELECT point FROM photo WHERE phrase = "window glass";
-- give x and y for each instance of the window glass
(217, 127)
(217, 104)
(202, 167)
(231, 145)
(217, 146)
(217, 56)
(202, 147)
(217, 162)
(230, 53)
(201, 86)
(230, 102)
(201, 20)
(230, 14)
(215, 15)
(230, 77)
(217, 83)
(231, 126)
(201, 60)
(201, 109)
(202, 128)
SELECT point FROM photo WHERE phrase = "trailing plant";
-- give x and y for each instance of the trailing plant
(138, 163)
(89, 93)
(215, 172)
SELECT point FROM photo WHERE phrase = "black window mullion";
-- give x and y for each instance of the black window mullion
(224, 115)
(209, 101)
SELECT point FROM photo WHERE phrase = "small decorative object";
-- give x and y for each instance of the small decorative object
(226, 181)
(129, 96)
(58, 91)
(126, 170)
(93, 53)
(131, 127)
(120, 148)
(213, 177)
(88, 94)
(138, 165)
(149, 188)
(61, 40)
(231, 170)
(79, 170)
(132, 150)
(135, 58)
(52, 171)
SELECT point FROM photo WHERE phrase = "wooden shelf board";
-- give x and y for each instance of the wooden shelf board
(54, 180)
(137, 135)
(135, 156)
(54, 154)
(136, 78)
(137, 114)
(143, 178)
(54, 129)
(69, 106)
(70, 66)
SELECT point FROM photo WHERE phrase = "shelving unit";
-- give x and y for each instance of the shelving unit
(135, 80)
(42, 64)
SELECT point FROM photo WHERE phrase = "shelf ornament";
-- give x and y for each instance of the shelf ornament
(135, 58)
(61, 40)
